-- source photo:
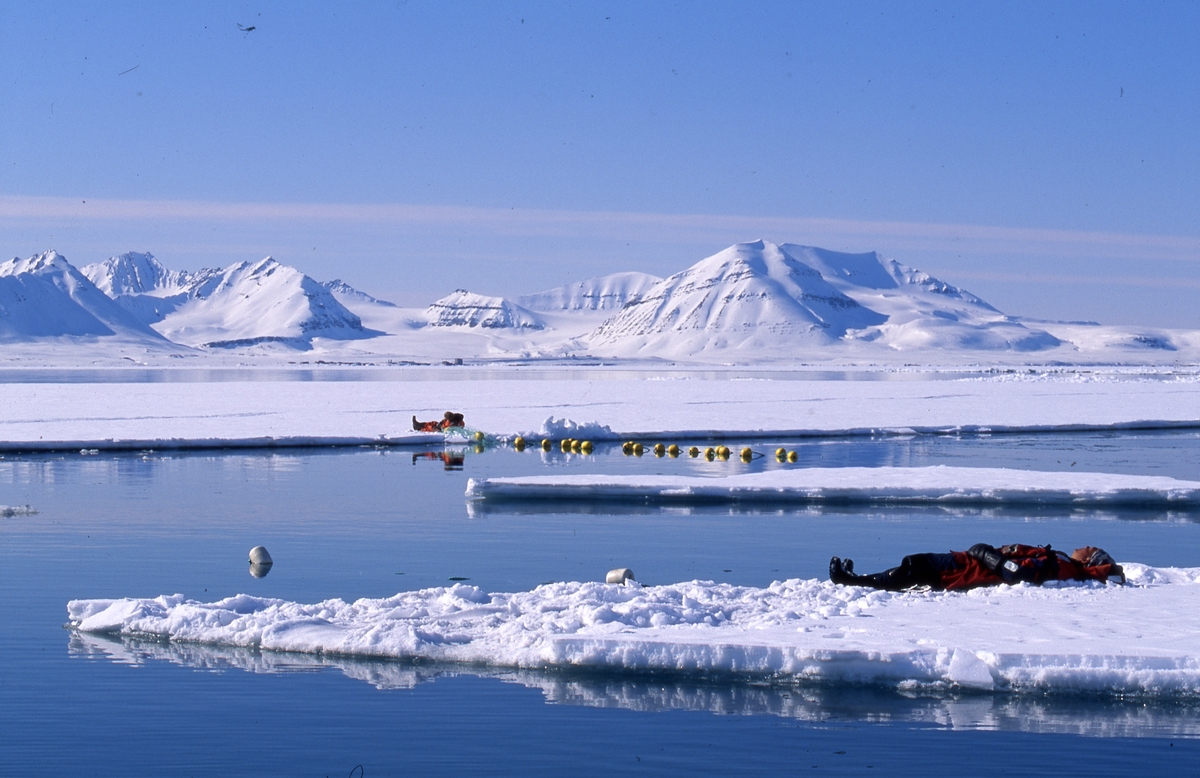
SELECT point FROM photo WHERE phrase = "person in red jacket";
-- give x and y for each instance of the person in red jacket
(449, 419)
(984, 565)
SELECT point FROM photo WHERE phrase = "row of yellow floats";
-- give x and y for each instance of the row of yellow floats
(633, 448)
(566, 445)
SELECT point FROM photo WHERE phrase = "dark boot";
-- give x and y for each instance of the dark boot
(838, 573)
(890, 580)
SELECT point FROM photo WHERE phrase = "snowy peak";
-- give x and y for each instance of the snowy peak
(244, 304)
(45, 296)
(850, 272)
(348, 294)
(866, 270)
(775, 299)
(48, 263)
(133, 273)
(465, 309)
(603, 293)
(856, 272)
(257, 302)
(742, 296)
(921, 311)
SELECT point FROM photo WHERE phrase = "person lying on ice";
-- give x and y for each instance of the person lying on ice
(449, 419)
(983, 565)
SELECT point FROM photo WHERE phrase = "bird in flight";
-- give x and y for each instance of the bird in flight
(251, 28)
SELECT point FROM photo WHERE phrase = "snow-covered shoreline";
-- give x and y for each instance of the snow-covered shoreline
(1058, 638)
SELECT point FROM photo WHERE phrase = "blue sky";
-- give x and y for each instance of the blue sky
(1044, 156)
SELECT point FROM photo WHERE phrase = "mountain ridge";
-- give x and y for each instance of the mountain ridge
(750, 302)
(246, 303)
(45, 296)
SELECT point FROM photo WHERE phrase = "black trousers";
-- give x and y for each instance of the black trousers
(914, 570)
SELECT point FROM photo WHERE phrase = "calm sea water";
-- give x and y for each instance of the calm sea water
(367, 523)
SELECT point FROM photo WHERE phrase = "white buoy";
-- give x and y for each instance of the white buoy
(259, 571)
(259, 556)
(619, 576)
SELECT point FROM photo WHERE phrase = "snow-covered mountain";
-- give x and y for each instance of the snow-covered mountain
(244, 304)
(792, 300)
(134, 273)
(465, 309)
(921, 311)
(603, 293)
(751, 295)
(753, 302)
(45, 296)
(347, 295)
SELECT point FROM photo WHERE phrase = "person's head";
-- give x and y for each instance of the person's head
(1092, 556)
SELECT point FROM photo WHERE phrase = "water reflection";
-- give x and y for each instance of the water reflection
(1088, 716)
(145, 469)
(478, 509)
(451, 459)
(390, 370)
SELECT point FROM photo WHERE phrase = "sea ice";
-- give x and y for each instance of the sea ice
(1064, 637)
(600, 404)
(557, 429)
(938, 484)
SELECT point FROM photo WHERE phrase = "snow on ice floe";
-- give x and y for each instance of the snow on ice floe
(938, 484)
(1075, 637)
(646, 406)
(567, 428)
(8, 511)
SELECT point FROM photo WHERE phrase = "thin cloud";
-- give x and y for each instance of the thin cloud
(649, 227)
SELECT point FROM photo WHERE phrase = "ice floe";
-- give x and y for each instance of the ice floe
(938, 484)
(1075, 637)
(601, 405)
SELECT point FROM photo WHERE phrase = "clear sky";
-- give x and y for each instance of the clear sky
(1044, 156)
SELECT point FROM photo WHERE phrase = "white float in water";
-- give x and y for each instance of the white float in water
(619, 576)
(259, 556)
